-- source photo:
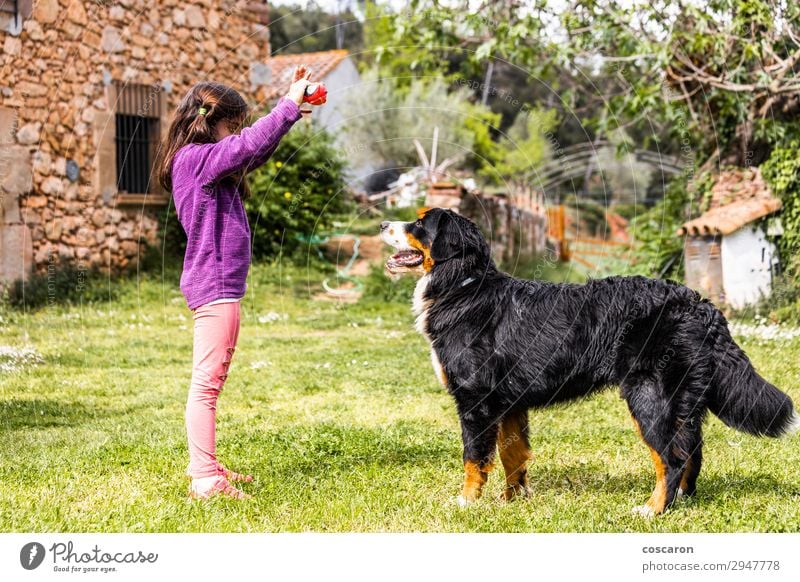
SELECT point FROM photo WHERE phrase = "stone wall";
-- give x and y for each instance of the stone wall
(61, 61)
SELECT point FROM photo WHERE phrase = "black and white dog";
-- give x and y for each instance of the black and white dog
(502, 345)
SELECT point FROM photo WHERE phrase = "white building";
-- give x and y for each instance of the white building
(727, 254)
(335, 68)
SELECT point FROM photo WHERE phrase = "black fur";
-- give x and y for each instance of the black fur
(507, 345)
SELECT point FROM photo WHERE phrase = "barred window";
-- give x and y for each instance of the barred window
(9, 7)
(138, 131)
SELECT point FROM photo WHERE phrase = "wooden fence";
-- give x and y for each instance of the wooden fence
(515, 233)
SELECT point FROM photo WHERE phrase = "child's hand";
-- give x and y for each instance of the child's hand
(301, 72)
(300, 81)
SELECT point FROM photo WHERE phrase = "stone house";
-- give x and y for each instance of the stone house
(728, 254)
(335, 68)
(86, 93)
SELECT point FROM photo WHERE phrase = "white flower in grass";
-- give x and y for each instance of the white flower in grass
(15, 359)
(762, 330)
(272, 317)
(260, 364)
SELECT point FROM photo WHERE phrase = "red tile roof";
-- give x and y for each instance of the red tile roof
(738, 197)
(321, 64)
(737, 185)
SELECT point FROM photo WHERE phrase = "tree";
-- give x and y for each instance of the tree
(386, 118)
(294, 29)
(716, 82)
(721, 75)
(723, 72)
(430, 39)
(524, 147)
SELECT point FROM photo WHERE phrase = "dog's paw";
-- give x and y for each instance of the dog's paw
(644, 511)
(512, 492)
(462, 501)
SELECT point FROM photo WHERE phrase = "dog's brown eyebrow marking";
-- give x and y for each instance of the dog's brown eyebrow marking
(421, 212)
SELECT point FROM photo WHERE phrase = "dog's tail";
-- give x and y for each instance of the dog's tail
(740, 397)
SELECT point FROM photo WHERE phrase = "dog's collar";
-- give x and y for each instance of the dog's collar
(467, 281)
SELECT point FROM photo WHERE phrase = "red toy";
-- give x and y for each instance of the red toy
(316, 94)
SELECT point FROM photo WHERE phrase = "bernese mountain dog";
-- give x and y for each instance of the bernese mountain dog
(502, 345)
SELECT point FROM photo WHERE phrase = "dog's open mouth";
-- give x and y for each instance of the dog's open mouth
(407, 259)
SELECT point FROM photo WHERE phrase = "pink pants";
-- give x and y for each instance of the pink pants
(216, 329)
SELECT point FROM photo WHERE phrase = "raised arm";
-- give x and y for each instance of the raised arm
(244, 151)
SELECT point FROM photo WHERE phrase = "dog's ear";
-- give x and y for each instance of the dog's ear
(455, 236)
(445, 240)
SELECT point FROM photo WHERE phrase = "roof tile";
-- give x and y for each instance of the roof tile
(321, 64)
(738, 197)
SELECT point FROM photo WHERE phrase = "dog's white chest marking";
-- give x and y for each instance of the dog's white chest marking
(437, 368)
(420, 309)
(420, 306)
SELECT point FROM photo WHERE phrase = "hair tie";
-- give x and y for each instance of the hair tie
(202, 111)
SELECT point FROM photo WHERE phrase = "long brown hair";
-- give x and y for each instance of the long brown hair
(193, 125)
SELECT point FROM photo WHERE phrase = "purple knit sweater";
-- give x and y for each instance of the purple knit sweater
(211, 211)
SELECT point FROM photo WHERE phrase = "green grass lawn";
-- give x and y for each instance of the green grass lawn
(336, 411)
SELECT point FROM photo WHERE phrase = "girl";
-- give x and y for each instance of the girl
(204, 162)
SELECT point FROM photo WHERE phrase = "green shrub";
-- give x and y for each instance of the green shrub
(659, 249)
(161, 261)
(385, 289)
(781, 306)
(782, 172)
(546, 267)
(165, 258)
(62, 285)
(298, 193)
(629, 211)
(526, 145)
(171, 233)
